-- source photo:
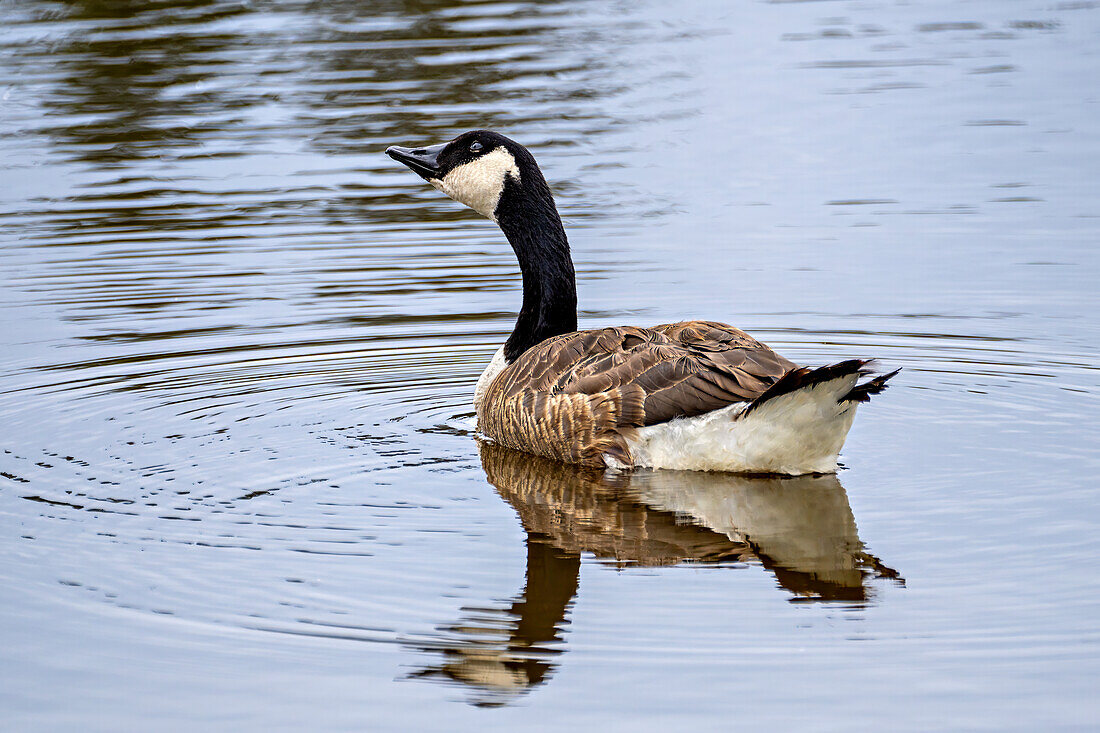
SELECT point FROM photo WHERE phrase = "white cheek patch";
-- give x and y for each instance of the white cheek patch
(479, 183)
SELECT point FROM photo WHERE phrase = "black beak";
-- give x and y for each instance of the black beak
(423, 161)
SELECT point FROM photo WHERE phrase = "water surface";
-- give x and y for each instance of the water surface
(240, 488)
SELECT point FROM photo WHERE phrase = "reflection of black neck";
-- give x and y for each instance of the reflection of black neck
(528, 217)
(552, 577)
(533, 622)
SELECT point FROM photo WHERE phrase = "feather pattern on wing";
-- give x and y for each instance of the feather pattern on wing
(577, 396)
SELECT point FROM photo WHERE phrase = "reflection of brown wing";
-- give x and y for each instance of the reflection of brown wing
(577, 511)
(573, 396)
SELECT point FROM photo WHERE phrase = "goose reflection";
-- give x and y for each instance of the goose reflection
(799, 529)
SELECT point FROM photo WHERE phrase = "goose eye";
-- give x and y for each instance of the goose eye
(475, 147)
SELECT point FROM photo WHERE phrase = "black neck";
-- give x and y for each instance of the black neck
(528, 217)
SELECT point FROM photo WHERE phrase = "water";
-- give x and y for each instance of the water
(240, 487)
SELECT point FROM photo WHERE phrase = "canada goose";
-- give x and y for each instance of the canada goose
(694, 395)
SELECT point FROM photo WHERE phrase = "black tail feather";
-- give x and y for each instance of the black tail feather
(802, 377)
(863, 392)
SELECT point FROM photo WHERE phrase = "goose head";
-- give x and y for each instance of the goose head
(499, 178)
(481, 169)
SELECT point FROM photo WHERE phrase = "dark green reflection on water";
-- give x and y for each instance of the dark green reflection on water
(800, 529)
(114, 75)
(148, 83)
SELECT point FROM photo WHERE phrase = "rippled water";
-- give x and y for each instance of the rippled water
(240, 487)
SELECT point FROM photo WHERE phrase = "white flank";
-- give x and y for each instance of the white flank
(799, 432)
(495, 367)
(479, 183)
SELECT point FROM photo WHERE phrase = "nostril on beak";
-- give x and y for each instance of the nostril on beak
(419, 151)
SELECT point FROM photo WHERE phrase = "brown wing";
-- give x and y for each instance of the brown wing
(575, 396)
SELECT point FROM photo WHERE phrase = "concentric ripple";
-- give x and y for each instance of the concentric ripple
(239, 481)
